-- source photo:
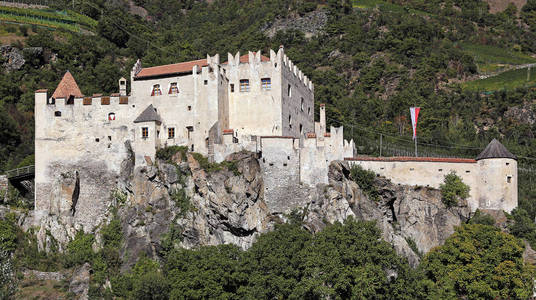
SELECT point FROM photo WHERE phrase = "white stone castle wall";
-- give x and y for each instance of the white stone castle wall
(257, 112)
(487, 178)
(83, 140)
(292, 108)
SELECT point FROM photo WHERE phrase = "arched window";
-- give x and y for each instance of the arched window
(156, 90)
(111, 116)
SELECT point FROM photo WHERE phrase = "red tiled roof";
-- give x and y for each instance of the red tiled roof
(409, 158)
(41, 91)
(67, 87)
(245, 58)
(97, 95)
(171, 69)
(228, 131)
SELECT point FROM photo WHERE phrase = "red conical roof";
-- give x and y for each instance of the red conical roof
(67, 87)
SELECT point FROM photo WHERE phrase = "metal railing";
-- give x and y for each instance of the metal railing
(20, 172)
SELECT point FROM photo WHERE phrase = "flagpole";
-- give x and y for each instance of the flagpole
(416, 146)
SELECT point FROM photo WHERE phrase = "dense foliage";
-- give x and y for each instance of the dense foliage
(453, 189)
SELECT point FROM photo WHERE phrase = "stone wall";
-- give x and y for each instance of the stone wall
(487, 178)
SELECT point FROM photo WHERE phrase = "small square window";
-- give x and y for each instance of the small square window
(266, 84)
(206, 82)
(57, 113)
(171, 132)
(156, 90)
(145, 132)
(232, 88)
(189, 108)
(244, 85)
(509, 179)
(173, 88)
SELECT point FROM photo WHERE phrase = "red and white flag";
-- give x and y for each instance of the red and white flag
(414, 116)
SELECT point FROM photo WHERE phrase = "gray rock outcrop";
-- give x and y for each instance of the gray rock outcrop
(191, 206)
(13, 59)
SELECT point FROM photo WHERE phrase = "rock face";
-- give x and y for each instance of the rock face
(12, 57)
(226, 204)
(80, 282)
(310, 24)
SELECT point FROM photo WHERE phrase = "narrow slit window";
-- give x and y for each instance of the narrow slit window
(244, 85)
(289, 91)
(171, 132)
(206, 82)
(145, 132)
(232, 87)
(266, 84)
(290, 121)
(302, 104)
(173, 88)
(156, 90)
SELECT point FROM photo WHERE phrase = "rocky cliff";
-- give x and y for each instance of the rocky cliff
(193, 203)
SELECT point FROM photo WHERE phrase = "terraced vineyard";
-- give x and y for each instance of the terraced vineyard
(508, 80)
(67, 20)
(491, 59)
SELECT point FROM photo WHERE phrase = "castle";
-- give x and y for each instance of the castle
(250, 102)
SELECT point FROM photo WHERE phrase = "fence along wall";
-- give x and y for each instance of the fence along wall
(424, 171)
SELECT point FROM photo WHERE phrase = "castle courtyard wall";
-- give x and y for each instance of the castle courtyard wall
(424, 171)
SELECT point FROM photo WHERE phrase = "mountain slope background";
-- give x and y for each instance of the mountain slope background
(467, 64)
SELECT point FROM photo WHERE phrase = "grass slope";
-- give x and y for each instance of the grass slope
(508, 80)
(492, 59)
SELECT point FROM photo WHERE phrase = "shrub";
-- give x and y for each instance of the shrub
(453, 189)
(8, 233)
(365, 180)
(80, 249)
(182, 201)
(167, 153)
(8, 283)
(480, 218)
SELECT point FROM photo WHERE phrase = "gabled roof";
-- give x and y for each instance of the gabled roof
(245, 59)
(67, 87)
(148, 115)
(171, 69)
(495, 150)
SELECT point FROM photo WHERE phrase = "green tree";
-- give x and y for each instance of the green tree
(453, 189)
(478, 262)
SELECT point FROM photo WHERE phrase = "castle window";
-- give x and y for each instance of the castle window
(57, 113)
(289, 91)
(145, 132)
(173, 88)
(51, 101)
(70, 100)
(308, 110)
(97, 140)
(122, 82)
(189, 108)
(156, 90)
(301, 129)
(244, 85)
(232, 87)
(171, 132)
(206, 82)
(290, 121)
(111, 116)
(266, 84)
(507, 164)
(509, 179)
(301, 105)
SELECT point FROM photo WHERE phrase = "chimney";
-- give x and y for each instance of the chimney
(122, 87)
(322, 119)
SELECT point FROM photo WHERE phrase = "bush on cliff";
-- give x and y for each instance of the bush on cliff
(365, 180)
(453, 189)
(79, 250)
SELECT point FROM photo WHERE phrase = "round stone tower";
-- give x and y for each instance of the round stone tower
(498, 178)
